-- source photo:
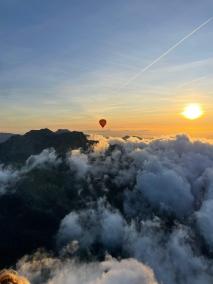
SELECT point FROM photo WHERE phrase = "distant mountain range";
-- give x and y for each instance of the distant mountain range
(17, 148)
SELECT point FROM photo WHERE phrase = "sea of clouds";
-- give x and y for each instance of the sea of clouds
(150, 219)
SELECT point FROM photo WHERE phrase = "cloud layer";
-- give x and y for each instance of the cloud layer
(148, 204)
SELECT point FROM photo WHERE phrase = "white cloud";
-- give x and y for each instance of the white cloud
(166, 190)
(79, 162)
(111, 271)
(152, 193)
(205, 222)
(8, 176)
(46, 158)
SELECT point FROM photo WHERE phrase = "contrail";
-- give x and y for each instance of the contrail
(167, 52)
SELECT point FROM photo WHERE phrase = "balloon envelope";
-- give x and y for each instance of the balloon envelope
(102, 122)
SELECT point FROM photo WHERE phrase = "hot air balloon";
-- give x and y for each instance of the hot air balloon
(102, 122)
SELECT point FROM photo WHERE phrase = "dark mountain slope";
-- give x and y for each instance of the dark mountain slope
(19, 147)
(5, 136)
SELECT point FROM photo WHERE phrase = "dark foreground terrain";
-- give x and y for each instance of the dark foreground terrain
(5, 136)
(69, 202)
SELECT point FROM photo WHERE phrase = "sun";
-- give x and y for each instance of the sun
(192, 111)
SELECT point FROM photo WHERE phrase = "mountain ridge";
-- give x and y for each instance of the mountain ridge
(18, 148)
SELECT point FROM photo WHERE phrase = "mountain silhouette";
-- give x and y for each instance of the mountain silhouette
(19, 147)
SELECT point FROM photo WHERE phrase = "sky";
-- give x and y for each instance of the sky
(66, 64)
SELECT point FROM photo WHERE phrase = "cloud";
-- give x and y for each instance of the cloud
(110, 271)
(103, 225)
(45, 159)
(205, 222)
(166, 190)
(169, 254)
(79, 162)
(8, 177)
(142, 201)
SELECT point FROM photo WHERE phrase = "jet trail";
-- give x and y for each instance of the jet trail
(133, 78)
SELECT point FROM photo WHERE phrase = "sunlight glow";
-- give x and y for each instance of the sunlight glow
(192, 111)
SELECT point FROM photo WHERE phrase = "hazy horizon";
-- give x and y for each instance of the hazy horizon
(142, 133)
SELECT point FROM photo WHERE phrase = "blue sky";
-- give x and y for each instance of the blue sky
(65, 63)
